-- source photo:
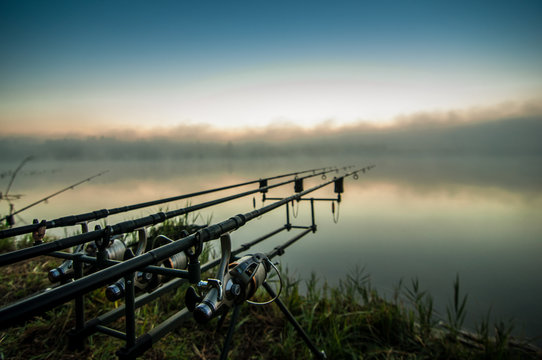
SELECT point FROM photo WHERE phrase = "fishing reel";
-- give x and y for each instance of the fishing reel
(114, 249)
(64, 272)
(147, 281)
(235, 283)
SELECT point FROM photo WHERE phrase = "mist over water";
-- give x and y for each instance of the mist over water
(445, 136)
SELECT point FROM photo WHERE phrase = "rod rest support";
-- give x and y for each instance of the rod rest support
(143, 343)
(102, 243)
(194, 267)
(39, 233)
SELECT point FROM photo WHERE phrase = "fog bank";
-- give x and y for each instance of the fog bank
(500, 137)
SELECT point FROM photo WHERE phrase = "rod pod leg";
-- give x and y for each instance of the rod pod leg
(231, 329)
(75, 340)
(317, 353)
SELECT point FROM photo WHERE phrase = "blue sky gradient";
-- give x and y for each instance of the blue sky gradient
(78, 65)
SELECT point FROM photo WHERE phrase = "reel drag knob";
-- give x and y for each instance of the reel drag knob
(203, 313)
(115, 292)
(233, 290)
(55, 275)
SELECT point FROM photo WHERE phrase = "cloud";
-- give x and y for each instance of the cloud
(505, 130)
(55, 126)
(504, 110)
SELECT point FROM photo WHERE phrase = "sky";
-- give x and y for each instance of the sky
(101, 67)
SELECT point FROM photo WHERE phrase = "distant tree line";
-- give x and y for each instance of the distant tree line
(508, 137)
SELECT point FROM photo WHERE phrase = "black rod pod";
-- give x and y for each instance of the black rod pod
(20, 311)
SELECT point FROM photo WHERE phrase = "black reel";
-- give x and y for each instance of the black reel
(234, 285)
(147, 281)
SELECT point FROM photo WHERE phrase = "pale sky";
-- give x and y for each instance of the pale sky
(89, 67)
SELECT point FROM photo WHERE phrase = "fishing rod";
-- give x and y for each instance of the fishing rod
(129, 225)
(9, 217)
(99, 214)
(37, 304)
(8, 197)
(25, 160)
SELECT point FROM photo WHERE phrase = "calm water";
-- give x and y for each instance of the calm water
(425, 217)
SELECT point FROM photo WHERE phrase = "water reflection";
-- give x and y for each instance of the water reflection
(430, 218)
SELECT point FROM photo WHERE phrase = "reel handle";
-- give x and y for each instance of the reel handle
(205, 308)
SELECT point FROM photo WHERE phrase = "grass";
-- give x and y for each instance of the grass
(349, 321)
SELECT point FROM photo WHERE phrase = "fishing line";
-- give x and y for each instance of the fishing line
(278, 293)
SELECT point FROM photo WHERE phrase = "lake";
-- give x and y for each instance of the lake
(429, 218)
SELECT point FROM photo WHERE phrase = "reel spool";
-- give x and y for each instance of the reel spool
(114, 251)
(146, 281)
(65, 272)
